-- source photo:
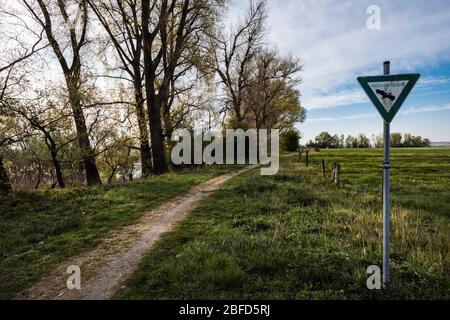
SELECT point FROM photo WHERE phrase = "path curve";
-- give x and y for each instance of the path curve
(106, 267)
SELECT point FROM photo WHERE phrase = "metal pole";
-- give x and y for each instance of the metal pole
(386, 194)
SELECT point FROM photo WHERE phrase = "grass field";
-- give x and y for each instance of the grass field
(296, 236)
(42, 228)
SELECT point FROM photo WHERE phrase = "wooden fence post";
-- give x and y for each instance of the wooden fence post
(335, 173)
(336, 180)
(307, 160)
(323, 167)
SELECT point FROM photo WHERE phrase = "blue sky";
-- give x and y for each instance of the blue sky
(333, 42)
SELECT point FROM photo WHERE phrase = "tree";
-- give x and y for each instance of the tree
(6, 122)
(7, 125)
(49, 120)
(351, 142)
(5, 184)
(325, 140)
(411, 141)
(28, 163)
(46, 15)
(360, 141)
(377, 141)
(168, 29)
(290, 140)
(121, 21)
(117, 158)
(11, 132)
(234, 54)
(12, 59)
(270, 96)
(363, 141)
(426, 142)
(396, 139)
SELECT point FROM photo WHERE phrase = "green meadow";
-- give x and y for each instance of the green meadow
(296, 235)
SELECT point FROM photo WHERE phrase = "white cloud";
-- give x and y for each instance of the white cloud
(342, 98)
(432, 92)
(332, 40)
(343, 118)
(427, 81)
(435, 108)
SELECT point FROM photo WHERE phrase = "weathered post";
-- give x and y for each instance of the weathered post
(335, 173)
(336, 177)
(386, 193)
(307, 159)
(323, 167)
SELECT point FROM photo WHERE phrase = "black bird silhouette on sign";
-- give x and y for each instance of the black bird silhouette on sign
(385, 95)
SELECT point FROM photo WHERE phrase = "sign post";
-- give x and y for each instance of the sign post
(387, 93)
(386, 191)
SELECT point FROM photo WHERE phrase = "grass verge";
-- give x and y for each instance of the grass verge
(40, 229)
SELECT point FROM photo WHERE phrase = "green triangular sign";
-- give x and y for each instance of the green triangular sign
(388, 93)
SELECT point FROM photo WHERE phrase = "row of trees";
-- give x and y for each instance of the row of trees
(326, 140)
(88, 87)
(406, 140)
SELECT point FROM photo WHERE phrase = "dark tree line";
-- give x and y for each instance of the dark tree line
(326, 140)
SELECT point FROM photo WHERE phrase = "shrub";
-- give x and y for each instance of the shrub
(290, 140)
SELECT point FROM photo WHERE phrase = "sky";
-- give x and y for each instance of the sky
(335, 46)
(333, 42)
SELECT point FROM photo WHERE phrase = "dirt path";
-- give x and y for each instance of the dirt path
(105, 268)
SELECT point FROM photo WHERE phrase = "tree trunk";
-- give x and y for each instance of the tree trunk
(237, 110)
(157, 137)
(58, 171)
(39, 177)
(5, 185)
(153, 99)
(146, 156)
(168, 130)
(87, 154)
(111, 176)
(51, 144)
